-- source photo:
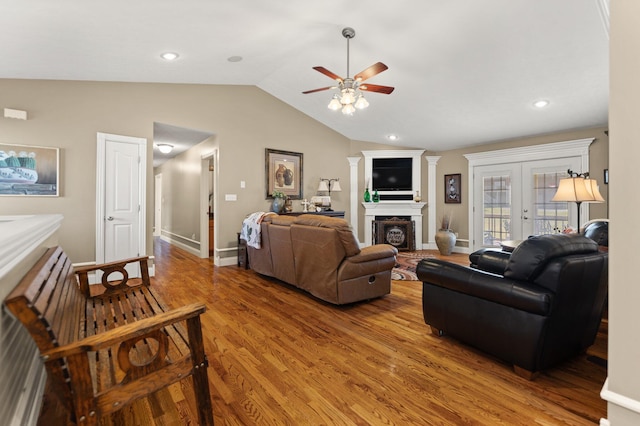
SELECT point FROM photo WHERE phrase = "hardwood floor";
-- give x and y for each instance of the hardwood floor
(279, 356)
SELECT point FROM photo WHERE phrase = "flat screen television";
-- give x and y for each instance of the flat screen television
(392, 174)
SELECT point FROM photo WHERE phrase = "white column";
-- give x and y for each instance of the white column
(432, 162)
(354, 193)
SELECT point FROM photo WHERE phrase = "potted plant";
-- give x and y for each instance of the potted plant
(445, 238)
(279, 199)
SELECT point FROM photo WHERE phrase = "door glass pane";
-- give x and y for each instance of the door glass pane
(496, 204)
(549, 217)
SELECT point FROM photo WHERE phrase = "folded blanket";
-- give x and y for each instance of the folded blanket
(251, 228)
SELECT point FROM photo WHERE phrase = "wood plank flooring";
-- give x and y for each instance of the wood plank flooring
(280, 357)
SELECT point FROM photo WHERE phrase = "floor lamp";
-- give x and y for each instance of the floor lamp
(578, 188)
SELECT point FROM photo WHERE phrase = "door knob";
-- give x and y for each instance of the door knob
(110, 218)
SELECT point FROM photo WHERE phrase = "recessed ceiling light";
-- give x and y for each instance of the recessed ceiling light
(234, 58)
(541, 103)
(169, 56)
(393, 137)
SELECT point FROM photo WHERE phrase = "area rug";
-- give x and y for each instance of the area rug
(406, 262)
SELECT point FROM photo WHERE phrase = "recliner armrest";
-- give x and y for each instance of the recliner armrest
(495, 288)
(490, 260)
(375, 252)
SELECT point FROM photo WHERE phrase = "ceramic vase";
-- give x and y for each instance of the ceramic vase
(446, 241)
(278, 205)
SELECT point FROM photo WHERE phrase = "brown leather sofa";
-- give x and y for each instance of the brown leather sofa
(320, 255)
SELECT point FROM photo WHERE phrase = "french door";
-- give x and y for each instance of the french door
(513, 200)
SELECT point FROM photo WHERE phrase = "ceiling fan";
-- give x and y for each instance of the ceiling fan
(350, 94)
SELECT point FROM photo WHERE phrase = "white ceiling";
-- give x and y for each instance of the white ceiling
(465, 71)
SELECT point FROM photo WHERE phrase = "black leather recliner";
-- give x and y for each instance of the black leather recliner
(543, 308)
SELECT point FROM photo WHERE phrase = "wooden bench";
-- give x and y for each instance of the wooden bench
(105, 350)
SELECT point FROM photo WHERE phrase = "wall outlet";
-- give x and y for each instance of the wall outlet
(242, 184)
(230, 197)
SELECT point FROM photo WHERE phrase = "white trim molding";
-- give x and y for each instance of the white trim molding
(354, 195)
(618, 399)
(432, 165)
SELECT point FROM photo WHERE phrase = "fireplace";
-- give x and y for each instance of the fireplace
(396, 231)
(406, 210)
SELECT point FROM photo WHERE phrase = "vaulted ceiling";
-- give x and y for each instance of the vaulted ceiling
(465, 72)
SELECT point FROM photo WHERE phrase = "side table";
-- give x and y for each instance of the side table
(243, 254)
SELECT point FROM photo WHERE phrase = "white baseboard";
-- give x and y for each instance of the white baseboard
(618, 399)
(194, 251)
(225, 261)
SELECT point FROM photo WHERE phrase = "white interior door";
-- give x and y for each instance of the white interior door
(121, 194)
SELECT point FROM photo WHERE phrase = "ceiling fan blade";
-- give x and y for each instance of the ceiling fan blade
(374, 69)
(318, 90)
(376, 88)
(328, 73)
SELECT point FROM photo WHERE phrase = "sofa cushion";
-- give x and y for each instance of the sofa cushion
(531, 256)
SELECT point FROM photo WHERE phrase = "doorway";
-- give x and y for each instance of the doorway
(208, 204)
(512, 191)
(515, 200)
(157, 221)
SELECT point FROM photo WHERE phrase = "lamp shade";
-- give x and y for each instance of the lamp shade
(595, 190)
(323, 186)
(336, 186)
(573, 189)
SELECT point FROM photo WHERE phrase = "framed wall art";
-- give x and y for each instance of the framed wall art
(452, 190)
(283, 172)
(29, 170)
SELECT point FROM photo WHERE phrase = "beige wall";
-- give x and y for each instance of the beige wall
(245, 120)
(454, 162)
(623, 392)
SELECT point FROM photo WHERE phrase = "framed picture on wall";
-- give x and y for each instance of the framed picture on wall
(452, 188)
(283, 172)
(29, 170)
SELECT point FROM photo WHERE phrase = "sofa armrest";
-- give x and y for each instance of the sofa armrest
(490, 260)
(375, 252)
(495, 288)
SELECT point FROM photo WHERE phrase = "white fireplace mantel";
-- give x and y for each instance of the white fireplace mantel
(393, 208)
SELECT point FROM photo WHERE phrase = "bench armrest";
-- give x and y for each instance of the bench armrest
(107, 268)
(90, 268)
(126, 332)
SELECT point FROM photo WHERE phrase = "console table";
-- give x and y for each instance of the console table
(322, 213)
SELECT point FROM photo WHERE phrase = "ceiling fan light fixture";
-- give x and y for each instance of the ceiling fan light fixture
(361, 103)
(348, 109)
(347, 97)
(335, 104)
